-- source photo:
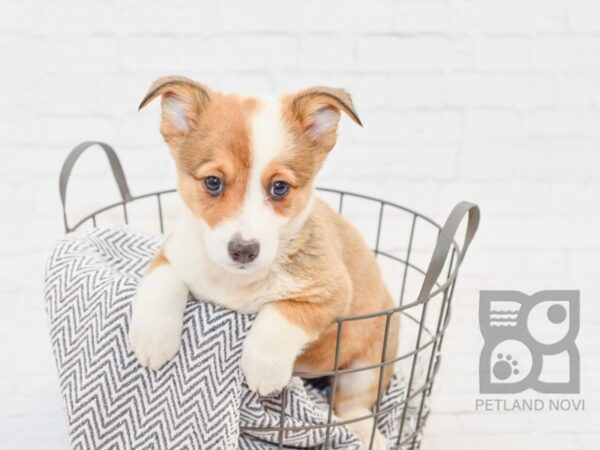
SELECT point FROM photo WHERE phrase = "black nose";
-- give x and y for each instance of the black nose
(243, 251)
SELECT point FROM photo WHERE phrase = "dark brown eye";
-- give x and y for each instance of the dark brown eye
(214, 185)
(279, 189)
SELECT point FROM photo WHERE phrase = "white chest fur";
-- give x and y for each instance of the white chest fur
(207, 281)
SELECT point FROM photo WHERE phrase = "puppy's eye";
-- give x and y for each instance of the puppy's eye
(214, 185)
(279, 189)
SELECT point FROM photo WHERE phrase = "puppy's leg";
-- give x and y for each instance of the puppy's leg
(279, 334)
(356, 392)
(157, 314)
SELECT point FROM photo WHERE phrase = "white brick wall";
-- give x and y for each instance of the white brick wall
(495, 101)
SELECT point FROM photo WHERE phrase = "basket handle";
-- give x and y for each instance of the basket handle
(115, 165)
(444, 242)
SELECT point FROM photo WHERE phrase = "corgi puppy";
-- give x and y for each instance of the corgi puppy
(254, 238)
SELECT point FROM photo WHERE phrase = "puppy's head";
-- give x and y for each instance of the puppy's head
(246, 165)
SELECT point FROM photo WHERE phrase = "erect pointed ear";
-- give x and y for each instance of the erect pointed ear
(183, 101)
(318, 110)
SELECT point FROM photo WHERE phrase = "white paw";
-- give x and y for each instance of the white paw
(155, 338)
(266, 369)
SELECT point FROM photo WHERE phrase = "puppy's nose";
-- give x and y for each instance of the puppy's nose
(243, 251)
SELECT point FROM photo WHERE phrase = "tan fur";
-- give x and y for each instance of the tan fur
(341, 278)
(304, 153)
(339, 273)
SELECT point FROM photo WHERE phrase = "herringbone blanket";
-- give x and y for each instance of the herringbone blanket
(199, 400)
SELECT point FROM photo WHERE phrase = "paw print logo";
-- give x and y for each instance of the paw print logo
(505, 367)
(529, 342)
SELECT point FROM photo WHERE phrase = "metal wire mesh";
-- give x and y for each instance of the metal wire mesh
(424, 311)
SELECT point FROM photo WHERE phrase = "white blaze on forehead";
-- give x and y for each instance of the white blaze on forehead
(266, 134)
(267, 137)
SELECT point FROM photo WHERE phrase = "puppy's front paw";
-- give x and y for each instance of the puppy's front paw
(154, 337)
(266, 369)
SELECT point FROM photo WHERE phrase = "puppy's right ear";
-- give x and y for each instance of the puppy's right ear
(183, 101)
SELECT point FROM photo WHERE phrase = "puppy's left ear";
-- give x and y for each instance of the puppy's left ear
(317, 109)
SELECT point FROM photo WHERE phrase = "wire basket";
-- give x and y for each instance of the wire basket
(420, 272)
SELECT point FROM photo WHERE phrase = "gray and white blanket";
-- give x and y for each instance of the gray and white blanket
(199, 400)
